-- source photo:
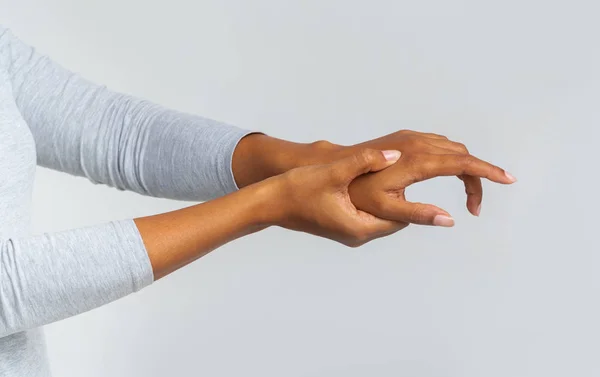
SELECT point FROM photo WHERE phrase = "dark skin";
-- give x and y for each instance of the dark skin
(375, 193)
(351, 195)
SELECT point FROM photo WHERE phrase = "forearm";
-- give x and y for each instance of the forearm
(113, 138)
(258, 156)
(52, 276)
(176, 238)
(126, 142)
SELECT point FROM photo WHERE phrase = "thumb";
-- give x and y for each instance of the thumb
(417, 213)
(365, 161)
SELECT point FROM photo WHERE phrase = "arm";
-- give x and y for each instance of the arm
(112, 138)
(49, 277)
(132, 144)
(52, 276)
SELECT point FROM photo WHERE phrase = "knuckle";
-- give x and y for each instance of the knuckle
(356, 234)
(462, 147)
(354, 241)
(467, 160)
(359, 241)
(367, 155)
(358, 158)
(417, 214)
(352, 244)
(365, 158)
(322, 145)
(362, 237)
(358, 161)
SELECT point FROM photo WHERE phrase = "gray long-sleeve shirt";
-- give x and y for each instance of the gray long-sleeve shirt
(57, 119)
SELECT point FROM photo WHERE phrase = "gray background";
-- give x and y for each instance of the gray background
(513, 293)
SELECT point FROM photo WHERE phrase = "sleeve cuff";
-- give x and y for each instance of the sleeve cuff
(228, 181)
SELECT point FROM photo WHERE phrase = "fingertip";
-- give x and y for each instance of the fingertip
(473, 205)
(443, 221)
(511, 178)
(472, 211)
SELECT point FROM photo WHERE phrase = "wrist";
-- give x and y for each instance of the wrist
(263, 203)
(259, 156)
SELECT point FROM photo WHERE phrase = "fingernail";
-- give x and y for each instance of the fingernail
(510, 177)
(391, 155)
(478, 210)
(441, 220)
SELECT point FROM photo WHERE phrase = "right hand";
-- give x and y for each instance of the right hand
(315, 199)
(383, 194)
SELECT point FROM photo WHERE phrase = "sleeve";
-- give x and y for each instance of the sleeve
(48, 277)
(115, 139)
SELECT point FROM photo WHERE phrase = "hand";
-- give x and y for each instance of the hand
(412, 142)
(260, 156)
(383, 194)
(315, 199)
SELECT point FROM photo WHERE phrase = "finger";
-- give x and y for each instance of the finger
(397, 228)
(368, 228)
(473, 186)
(426, 134)
(456, 147)
(431, 166)
(474, 190)
(383, 227)
(434, 136)
(415, 213)
(362, 162)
